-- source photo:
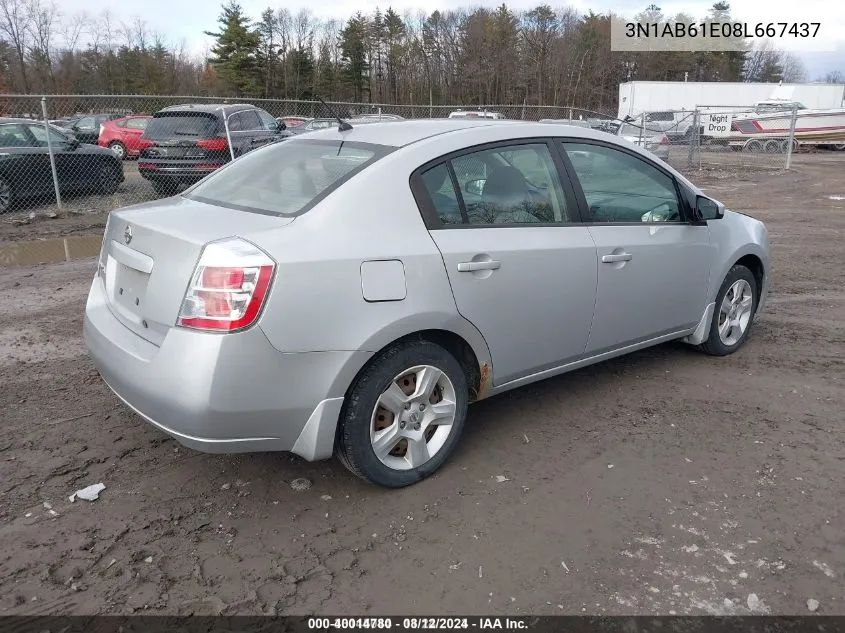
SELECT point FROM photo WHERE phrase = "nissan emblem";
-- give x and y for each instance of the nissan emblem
(127, 234)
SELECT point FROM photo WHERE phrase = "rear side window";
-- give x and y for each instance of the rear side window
(286, 178)
(181, 124)
(136, 124)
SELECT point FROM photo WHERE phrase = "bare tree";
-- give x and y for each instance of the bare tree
(13, 25)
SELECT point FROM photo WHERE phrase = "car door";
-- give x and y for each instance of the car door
(521, 266)
(70, 171)
(24, 165)
(652, 263)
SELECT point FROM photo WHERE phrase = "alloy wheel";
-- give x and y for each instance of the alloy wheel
(735, 312)
(413, 418)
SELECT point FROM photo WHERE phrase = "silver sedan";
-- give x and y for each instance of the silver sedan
(351, 292)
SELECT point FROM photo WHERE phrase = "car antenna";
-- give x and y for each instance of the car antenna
(343, 126)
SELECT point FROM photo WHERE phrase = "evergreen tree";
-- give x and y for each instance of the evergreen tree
(354, 58)
(235, 55)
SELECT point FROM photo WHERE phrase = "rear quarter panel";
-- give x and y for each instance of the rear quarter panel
(316, 302)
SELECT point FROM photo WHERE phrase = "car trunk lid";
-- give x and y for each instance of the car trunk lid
(150, 252)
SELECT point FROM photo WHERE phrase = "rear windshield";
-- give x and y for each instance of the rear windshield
(179, 124)
(286, 178)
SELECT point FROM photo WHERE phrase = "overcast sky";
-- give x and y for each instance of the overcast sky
(187, 19)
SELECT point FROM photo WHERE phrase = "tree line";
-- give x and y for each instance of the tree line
(542, 56)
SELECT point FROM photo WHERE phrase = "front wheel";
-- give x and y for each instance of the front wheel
(403, 415)
(734, 313)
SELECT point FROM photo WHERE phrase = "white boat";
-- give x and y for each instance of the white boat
(766, 128)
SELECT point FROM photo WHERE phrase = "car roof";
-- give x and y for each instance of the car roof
(402, 133)
(19, 120)
(210, 108)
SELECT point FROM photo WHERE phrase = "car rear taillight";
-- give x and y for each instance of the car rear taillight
(228, 287)
(101, 259)
(213, 144)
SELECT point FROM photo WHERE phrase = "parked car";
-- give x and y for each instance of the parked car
(370, 116)
(315, 297)
(66, 122)
(575, 122)
(123, 136)
(475, 114)
(655, 142)
(293, 121)
(185, 143)
(25, 169)
(320, 123)
(87, 127)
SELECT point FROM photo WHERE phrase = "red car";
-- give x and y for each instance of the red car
(123, 136)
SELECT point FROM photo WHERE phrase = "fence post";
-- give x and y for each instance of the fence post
(228, 136)
(50, 152)
(695, 140)
(791, 140)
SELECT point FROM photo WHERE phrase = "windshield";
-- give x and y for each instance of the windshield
(179, 124)
(288, 177)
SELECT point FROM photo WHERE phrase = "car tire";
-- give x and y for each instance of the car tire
(119, 149)
(7, 195)
(108, 180)
(399, 449)
(737, 302)
(165, 188)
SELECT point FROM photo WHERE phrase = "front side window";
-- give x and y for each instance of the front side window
(619, 187)
(40, 134)
(286, 178)
(512, 184)
(268, 121)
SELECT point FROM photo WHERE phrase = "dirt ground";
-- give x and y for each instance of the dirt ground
(663, 482)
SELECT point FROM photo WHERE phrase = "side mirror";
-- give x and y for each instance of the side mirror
(281, 126)
(72, 144)
(708, 209)
(475, 187)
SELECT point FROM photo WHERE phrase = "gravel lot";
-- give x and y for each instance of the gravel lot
(666, 481)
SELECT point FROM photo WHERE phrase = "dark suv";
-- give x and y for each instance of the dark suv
(189, 141)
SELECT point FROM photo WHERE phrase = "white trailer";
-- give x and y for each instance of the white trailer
(639, 97)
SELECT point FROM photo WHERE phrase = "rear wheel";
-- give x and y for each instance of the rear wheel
(734, 313)
(403, 415)
(118, 148)
(7, 195)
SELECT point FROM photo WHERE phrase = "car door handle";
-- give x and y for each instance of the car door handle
(468, 267)
(619, 257)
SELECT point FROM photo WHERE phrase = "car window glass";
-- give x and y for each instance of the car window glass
(515, 184)
(268, 120)
(236, 124)
(13, 135)
(250, 120)
(285, 177)
(40, 135)
(620, 187)
(137, 124)
(86, 123)
(438, 184)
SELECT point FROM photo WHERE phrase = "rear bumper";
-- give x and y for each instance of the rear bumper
(216, 393)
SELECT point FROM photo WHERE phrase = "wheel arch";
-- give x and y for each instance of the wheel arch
(467, 346)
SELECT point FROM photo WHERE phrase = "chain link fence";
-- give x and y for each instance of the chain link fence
(62, 155)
